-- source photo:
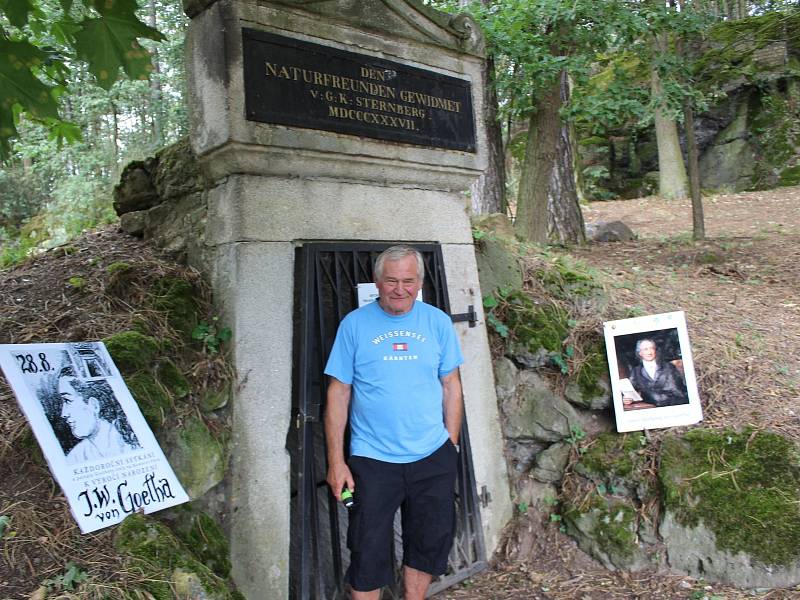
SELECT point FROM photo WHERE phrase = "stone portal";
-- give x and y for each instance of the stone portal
(324, 121)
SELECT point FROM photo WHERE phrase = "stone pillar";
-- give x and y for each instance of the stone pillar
(277, 185)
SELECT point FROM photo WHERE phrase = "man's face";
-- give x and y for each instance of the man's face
(81, 415)
(647, 351)
(399, 285)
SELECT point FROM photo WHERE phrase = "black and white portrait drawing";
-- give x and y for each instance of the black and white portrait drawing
(87, 418)
(652, 373)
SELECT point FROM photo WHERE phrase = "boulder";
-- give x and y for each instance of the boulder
(696, 552)
(606, 530)
(196, 457)
(611, 231)
(133, 223)
(135, 190)
(729, 162)
(505, 379)
(730, 506)
(536, 412)
(598, 397)
(178, 173)
(550, 463)
(498, 268)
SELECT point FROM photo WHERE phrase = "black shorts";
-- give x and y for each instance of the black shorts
(424, 491)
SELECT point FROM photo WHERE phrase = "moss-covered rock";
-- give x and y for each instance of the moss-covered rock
(152, 398)
(205, 537)
(172, 379)
(196, 456)
(215, 399)
(606, 528)
(159, 549)
(537, 326)
(176, 298)
(743, 486)
(132, 351)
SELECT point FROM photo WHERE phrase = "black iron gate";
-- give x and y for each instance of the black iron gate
(326, 276)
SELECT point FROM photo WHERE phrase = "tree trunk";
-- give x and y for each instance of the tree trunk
(564, 218)
(544, 130)
(698, 225)
(155, 87)
(672, 181)
(489, 191)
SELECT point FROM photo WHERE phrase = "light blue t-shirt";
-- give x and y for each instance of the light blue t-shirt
(393, 364)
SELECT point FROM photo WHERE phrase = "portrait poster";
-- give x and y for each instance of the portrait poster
(653, 380)
(97, 443)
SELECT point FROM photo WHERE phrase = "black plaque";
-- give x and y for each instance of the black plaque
(297, 83)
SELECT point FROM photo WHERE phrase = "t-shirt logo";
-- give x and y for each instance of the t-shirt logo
(400, 347)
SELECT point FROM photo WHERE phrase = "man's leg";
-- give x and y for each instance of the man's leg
(416, 583)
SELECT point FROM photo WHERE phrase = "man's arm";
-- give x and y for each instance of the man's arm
(336, 410)
(453, 404)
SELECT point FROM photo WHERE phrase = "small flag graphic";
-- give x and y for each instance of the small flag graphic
(400, 347)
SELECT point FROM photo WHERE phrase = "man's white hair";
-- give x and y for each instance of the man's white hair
(396, 253)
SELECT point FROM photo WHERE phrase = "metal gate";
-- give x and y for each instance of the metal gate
(326, 276)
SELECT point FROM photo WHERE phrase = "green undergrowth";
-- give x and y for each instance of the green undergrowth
(744, 486)
(167, 559)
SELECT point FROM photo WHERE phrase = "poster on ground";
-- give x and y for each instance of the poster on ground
(96, 441)
(653, 380)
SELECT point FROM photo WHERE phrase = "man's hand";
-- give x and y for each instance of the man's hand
(338, 476)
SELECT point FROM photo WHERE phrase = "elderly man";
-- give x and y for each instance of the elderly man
(394, 369)
(658, 382)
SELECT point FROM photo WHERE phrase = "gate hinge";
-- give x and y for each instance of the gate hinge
(470, 316)
(485, 496)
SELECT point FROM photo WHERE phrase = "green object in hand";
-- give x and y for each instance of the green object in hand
(347, 498)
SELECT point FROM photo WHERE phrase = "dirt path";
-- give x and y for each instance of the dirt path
(740, 290)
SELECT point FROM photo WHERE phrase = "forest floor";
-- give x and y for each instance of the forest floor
(740, 290)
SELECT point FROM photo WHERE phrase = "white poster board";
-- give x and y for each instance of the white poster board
(91, 431)
(652, 373)
(368, 292)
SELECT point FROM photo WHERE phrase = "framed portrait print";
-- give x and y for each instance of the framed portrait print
(653, 380)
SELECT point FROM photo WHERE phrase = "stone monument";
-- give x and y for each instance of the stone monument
(324, 121)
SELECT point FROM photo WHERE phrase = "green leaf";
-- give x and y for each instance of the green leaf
(558, 359)
(64, 131)
(18, 85)
(500, 327)
(16, 11)
(490, 301)
(110, 42)
(72, 576)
